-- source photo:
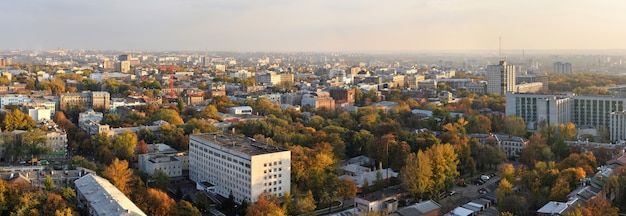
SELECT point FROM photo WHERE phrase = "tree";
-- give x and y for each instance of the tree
(347, 190)
(515, 125)
(157, 202)
(80, 161)
(560, 190)
(111, 119)
(167, 115)
(417, 174)
(184, 208)
(210, 112)
(507, 171)
(305, 205)
(478, 124)
(124, 145)
(34, 141)
(68, 194)
(17, 120)
(49, 183)
(161, 180)
(119, 174)
(266, 204)
(599, 206)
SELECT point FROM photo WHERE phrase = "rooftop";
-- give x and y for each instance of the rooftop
(241, 144)
(104, 198)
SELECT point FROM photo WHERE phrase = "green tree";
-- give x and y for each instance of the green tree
(111, 119)
(161, 180)
(478, 124)
(124, 145)
(80, 161)
(34, 141)
(515, 125)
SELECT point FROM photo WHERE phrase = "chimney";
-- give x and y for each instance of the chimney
(380, 165)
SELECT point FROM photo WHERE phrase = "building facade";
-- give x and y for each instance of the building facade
(241, 166)
(538, 108)
(318, 100)
(500, 78)
(562, 67)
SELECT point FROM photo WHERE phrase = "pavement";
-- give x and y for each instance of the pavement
(464, 195)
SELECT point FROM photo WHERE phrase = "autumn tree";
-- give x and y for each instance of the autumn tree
(168, 115)
(347, 190)
(507, 171)
(478, 124)
(157, 202)
(266, 204)
(119, 174)
(49, 183)
(209, 112)
(17, 120)
(184, 208)
(417, 174)
(515, 125)
(34, 141)
(124, 145)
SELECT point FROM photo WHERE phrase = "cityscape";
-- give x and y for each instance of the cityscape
(350, 108)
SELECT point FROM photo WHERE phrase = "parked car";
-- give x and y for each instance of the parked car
(484, 177)
(450, 193)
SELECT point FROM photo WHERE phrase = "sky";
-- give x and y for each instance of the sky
(312, 25)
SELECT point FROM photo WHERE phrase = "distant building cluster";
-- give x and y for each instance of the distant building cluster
(562, 67)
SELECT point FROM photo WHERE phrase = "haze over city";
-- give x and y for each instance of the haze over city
(279, 25)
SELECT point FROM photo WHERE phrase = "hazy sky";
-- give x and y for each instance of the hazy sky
(316, 25)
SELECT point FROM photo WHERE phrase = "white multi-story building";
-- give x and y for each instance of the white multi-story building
(618, 126)
(500, 78)
(595, 110)
(588, 110)
(241, 166)
(511, 145)
(165, 158)
(40, 113)
(13, 99)
(536, 108)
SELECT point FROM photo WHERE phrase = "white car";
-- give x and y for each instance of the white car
(484, 177)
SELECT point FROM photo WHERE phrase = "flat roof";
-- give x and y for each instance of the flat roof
(247, 146)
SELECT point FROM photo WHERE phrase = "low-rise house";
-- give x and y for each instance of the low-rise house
(385, 201)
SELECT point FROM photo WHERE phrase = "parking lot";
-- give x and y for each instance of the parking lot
(463, 195)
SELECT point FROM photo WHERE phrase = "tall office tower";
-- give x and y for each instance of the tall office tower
(227, 164)
(562, 67)
(500, 78)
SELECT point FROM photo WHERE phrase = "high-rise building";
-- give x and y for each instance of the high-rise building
(227, 164)
(500, 78)
(122, 66)
(562, 67)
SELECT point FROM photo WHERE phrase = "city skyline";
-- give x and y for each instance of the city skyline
(279, 25)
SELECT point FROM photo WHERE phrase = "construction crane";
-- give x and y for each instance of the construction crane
(172, 69)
